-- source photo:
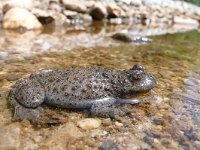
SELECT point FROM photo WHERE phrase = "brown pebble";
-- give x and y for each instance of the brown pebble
(164, 106)
(13, 77)
(90, 143)
(107, 122)
(166, 142)
(118, 124)
(155, 132)
(118, 118)
(159, 120)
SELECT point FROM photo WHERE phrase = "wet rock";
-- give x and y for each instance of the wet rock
(188, 99)
(13, 77)
(118, 124)
(164, 106)
(167, 74)
(107, 122)
(166, 142)
(27, 4)
(115, 11)
(49, 16)
(89, 123)
(2, 77)
(20, 18)
(75, 5)
(130, 38)
(98, 133)
(3, 55)
(122, 37)
(70, 14)
(98, 11)
(55, 6)
(74, 17)
(108, 145)
(197, 143)
(191, 82)
(90, 142)
(159, 120)
(158, 99)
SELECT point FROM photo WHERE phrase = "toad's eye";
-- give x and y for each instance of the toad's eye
(137, 75)
(137, 67)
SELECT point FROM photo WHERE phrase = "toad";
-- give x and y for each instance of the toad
(89, 88)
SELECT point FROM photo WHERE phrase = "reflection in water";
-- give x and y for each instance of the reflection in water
(17, 45)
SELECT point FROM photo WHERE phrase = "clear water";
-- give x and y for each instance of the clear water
(170, 119)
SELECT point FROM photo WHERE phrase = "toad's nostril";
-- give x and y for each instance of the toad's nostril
(137, 76)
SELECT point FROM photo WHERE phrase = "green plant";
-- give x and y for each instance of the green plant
(196, 2)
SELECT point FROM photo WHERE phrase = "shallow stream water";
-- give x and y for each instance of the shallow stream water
(168, 118)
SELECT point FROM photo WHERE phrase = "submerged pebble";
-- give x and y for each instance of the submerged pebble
(108, 145)
(98, 133)
(89, 123)
(118, 124)
(107, 122)
(191, 82)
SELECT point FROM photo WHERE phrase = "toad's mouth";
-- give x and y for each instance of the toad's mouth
(138, 94)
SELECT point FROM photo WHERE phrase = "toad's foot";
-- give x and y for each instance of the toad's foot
(34, 115)
(109, 111)
(22, 113)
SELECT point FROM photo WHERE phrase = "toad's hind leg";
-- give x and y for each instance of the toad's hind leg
(29, 93)
(22, 113)
(25, 99)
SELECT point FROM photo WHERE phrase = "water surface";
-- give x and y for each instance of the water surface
(167, 119)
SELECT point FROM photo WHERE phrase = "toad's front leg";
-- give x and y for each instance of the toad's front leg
(103, 107)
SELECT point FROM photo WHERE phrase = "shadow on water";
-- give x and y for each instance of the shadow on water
(170, 119)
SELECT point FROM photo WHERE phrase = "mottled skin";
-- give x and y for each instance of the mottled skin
(92, 88)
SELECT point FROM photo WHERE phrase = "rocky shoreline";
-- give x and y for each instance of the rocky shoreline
(29, 14)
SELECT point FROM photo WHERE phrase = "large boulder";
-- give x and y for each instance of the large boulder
(20, 18)
(75, 5)
(27, 4)
(75, 17)
(98, 11)
(53, 5)
(49, 16)
(114, 11)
